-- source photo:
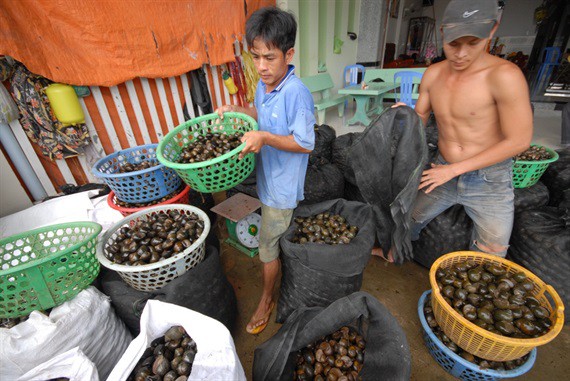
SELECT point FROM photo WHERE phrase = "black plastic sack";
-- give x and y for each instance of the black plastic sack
(204, 289)
(352, 193)
(387, 354)
(541, 243)
(315, 275)
(340, 148)
(565, 200)
(323, 182)
(531, 197)
(205, 201)
(448, 232)
(557, 177)
(324, 136)
(388, 159)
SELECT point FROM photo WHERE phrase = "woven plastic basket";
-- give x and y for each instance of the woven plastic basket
(42, 268)
(527, 173)
(477, 340)
(155, 275)
(456, 365)
(214, 175)
(181, 198)
(139, 186)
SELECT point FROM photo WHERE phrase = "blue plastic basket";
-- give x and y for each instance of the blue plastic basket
(140, 186)
(456, 365)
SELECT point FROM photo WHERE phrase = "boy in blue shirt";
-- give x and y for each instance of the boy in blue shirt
(283, 108)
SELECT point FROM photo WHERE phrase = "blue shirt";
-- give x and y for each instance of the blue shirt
(287, 110)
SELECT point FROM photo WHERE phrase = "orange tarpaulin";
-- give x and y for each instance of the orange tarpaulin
(106, 42)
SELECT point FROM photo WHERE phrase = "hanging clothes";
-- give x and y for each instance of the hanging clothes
(38, 119)
(200, 94)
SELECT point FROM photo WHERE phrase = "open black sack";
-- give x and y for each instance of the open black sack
(387, 355)
(446, 233)
(204, 289)
(388, 159)
(315, 275)
(541, 243)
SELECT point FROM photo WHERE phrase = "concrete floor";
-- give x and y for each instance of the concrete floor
(397, 287)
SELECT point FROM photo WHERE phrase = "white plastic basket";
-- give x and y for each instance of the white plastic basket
(155, 275)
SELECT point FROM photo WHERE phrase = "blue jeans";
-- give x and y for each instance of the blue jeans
(488, 197)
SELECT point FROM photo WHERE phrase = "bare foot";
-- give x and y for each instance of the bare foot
(377, 251)
(260, 318)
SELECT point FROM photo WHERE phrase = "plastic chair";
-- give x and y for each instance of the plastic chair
(350, 76)
(407, 86)
(552, 57)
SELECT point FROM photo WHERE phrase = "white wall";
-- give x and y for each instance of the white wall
(13, 197)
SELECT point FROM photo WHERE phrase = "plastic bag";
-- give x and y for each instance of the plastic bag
(315, 275)
(8, 109)
(216, 358)
(86, 321)
(72, 364)
(387, 354)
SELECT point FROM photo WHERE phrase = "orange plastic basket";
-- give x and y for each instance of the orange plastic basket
(479, 341)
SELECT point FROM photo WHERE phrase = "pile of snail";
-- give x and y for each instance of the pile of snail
(125, 204)
(209, 146)
(169, 358)
(534, 153)
(482, 363)
(160, 236)
(132, 167)
(328, 228)
(494, 299)
(336, 357)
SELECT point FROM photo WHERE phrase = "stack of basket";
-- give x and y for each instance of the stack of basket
(478, 341)
(136, 190)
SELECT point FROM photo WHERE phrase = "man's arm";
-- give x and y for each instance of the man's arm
(423, 105)
(510, 91)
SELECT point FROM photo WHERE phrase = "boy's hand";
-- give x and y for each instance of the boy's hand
(225, 108)
(438, 174)
(253, 140)
(398, 104)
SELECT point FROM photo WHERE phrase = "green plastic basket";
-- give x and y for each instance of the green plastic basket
(527, 173)
(43, 268)
(214, 175)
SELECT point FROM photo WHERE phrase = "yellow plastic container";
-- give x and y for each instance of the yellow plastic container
(65, 104)
(229, 82)
(479, 341)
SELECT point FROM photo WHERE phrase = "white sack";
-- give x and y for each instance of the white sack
(86, 321)
(216, 358)
(72, 364)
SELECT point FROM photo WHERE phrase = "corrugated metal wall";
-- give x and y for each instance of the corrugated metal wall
(134, 113)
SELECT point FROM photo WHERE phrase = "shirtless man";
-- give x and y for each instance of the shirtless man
(482, 107)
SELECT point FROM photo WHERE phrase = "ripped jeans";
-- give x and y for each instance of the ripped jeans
(488, 198)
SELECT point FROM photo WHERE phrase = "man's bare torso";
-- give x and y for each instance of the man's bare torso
(465, 109)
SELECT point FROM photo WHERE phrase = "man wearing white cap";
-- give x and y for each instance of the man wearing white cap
(482, 107)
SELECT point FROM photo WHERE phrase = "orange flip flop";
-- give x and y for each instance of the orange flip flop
(261, 327)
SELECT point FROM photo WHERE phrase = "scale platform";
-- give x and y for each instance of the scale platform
(243, 225)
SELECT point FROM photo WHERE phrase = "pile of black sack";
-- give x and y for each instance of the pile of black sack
(314, 274)
(385, 163)
(557, 178)
(540, 242)
(324, 180)
(531, 197)
(446, 233)
(387, 354)
(204, 288)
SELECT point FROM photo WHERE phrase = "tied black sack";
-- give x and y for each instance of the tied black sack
(204, 288)
(315, 275)
(388, 159)
(387, 355)
(541, 243)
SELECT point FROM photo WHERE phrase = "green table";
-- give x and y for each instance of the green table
(362, 97)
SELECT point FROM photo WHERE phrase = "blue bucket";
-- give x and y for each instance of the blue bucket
(140, 186)
(456, 365)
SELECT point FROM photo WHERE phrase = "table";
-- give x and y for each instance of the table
(362, 96)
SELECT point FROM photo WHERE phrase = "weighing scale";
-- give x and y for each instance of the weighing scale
(243, 225)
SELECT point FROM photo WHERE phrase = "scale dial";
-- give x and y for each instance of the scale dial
(247, 230)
